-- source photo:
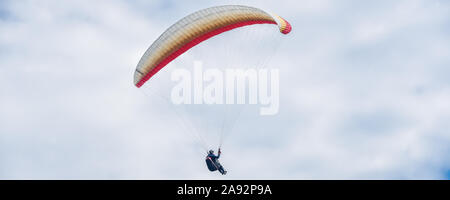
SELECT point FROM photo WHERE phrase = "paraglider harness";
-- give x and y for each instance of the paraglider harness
(214, 165)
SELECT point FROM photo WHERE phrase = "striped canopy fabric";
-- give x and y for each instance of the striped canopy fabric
(196, 28)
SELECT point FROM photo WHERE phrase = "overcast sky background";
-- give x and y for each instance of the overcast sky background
(366, 93)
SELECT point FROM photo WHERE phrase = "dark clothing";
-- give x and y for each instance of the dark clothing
(214, 157)
(210, 164)
(212, 161)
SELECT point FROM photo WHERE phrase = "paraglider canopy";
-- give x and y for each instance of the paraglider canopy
(196, 28)
(222, 37)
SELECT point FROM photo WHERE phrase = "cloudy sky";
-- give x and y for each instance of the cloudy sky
(365, 93)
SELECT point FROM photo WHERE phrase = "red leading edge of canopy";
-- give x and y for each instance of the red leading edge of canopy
(288, 27)
(202, 38)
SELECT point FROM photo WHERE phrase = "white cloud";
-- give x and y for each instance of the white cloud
(365, 94)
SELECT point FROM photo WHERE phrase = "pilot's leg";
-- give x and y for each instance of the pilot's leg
(221, 170)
